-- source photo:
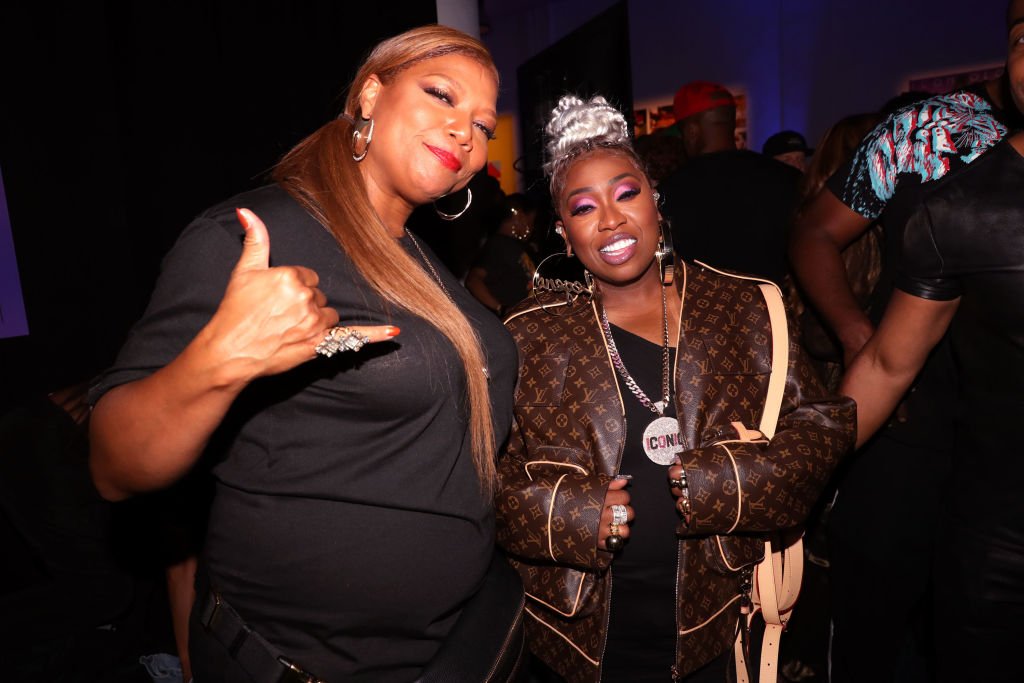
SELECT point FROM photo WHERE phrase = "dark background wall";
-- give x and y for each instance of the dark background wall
(803, 63)
(122, 120)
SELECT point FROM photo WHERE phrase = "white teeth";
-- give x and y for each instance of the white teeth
(618, 245)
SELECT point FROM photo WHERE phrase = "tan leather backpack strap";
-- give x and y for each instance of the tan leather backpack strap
(777, 578)
(780, 359)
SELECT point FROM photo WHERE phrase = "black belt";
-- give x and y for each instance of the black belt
(261, 660)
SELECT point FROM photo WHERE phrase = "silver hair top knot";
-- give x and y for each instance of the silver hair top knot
(576, 124)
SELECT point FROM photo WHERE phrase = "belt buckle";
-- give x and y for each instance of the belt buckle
(295, 672)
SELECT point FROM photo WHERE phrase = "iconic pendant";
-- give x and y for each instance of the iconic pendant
(662, 440)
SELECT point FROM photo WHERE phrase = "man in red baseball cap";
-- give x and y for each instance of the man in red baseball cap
(698, 96)
(705, 116)
(728, 207)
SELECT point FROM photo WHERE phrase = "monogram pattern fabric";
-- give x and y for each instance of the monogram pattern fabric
(567, 441)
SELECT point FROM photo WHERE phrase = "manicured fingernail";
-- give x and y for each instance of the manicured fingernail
(624, 476)
(242, 218)
(392, 331)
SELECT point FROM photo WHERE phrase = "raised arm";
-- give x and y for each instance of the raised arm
(819, 236)
(147, 433)
(883, 371)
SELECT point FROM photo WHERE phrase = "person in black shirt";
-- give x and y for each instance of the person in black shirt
(501, 275)
(961, 272)
(728, 207)
(352, 525)
(885, 181)
(650, 371)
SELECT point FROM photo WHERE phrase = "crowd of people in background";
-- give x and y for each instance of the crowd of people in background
(893, 240)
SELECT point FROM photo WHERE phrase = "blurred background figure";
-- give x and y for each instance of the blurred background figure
(81, 595)
(728, 207)
(805, 651)
(662, 154)
(862, 258)
(501, 275)
(885, 181)
(789, 147)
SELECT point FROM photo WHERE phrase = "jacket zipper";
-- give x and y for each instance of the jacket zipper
(679, 544)
(508, 638)
(679, 561)
(615, 470)
(608, 611)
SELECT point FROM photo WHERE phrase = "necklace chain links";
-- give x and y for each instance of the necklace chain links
(430, 266)
(656, 408)
(437, 278)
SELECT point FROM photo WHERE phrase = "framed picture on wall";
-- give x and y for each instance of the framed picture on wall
(944, 82)
(640, 122)
(658, 114)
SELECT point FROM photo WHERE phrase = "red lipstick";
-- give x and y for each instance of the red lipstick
(447, 159)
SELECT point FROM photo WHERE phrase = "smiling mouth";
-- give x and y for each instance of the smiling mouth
(447, 159)
(618, 246)
(618, 251)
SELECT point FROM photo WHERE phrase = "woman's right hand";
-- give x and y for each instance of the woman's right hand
(270, 319)
(617, 495)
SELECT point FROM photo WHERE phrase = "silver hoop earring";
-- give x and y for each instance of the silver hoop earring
(666, 254)
(356, 135)
(452, 216)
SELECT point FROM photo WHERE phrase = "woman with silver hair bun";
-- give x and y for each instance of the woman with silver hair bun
(666, 423)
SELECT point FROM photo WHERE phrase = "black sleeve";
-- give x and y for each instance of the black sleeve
(921, 264)
(193, 277)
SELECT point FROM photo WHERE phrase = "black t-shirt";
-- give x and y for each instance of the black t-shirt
(348, 525)
(509, 269)
(732, 210)
(967, 241)
(885, 180)
(641, 630)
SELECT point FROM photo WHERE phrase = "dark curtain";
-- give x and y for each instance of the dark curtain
(122, 120)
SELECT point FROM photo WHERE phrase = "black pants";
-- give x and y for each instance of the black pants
(979, 597)
(881, 536)
(716, 671)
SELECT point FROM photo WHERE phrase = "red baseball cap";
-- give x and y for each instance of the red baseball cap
(698, 96)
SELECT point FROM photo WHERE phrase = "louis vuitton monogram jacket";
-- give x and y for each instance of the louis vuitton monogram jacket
(567, 440)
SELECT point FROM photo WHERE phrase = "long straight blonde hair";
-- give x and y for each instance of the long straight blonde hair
(321, 174)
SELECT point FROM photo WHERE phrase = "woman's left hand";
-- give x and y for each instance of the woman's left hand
(617, 496)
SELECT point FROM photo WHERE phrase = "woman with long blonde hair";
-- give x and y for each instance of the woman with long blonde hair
(352, 392)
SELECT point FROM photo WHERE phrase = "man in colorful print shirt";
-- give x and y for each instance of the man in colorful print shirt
(882, 554)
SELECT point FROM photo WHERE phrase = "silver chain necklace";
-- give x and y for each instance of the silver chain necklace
(430, 266)
(661, 439)
(658, 408)
(440, 282)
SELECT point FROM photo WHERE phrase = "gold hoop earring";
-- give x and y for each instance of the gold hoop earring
(356, 136)
(452, 216)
